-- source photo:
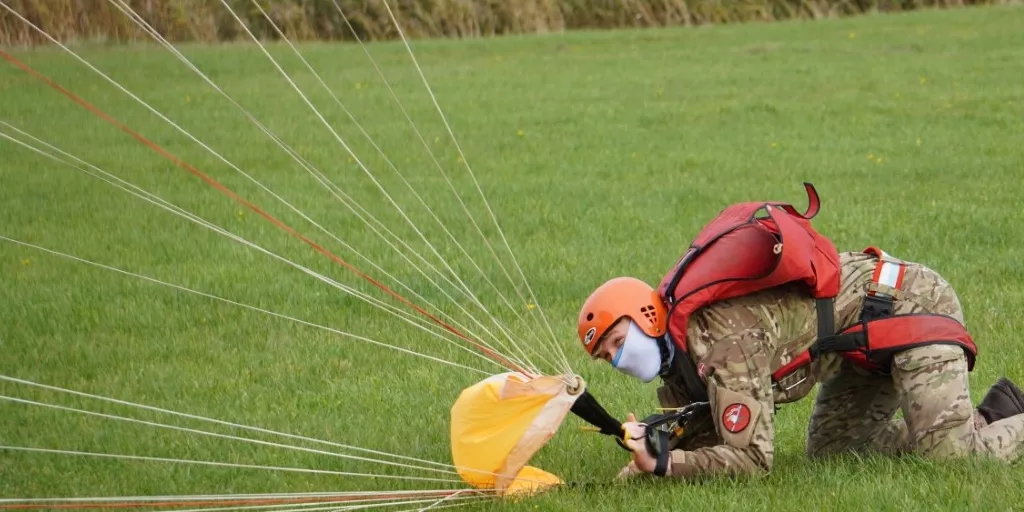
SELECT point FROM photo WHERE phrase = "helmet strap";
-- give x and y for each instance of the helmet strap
(666, 354)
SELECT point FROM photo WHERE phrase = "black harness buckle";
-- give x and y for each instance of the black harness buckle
(876, 306)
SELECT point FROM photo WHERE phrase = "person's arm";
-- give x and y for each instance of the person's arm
(743, 410)
(740, 393)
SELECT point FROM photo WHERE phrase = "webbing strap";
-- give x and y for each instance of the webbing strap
(841, 343)
(661, 466)
(826, 317)
(825, 309)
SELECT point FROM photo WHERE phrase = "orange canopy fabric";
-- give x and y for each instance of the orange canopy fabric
(498, 424)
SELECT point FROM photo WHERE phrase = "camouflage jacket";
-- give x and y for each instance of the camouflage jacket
(739, 343)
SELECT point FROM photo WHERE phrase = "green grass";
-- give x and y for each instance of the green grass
(601, 154)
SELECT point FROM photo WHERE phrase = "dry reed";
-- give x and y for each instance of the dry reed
(209, 21)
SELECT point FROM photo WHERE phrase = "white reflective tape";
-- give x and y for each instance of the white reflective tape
(890, 274)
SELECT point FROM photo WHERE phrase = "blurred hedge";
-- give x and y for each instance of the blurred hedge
(210, 20)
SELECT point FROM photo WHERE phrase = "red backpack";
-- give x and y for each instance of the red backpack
(753, 246)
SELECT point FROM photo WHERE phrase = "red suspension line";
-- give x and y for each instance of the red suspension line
(226, 191)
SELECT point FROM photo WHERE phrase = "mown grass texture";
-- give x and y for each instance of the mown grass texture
(601, 154)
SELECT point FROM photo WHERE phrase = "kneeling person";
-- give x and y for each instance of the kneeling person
(878, 333)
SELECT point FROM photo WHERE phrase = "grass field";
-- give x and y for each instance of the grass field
(601, 154)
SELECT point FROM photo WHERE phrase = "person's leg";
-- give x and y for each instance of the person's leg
(941, 422)
(854, 409)
(853, 413)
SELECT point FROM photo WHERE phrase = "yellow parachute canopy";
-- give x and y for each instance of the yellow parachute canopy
(499, 423)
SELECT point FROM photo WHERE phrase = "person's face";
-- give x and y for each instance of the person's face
(611, 342)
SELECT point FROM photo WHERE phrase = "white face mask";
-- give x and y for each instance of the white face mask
(639, 355)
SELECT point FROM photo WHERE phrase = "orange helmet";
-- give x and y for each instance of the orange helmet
(619, 297)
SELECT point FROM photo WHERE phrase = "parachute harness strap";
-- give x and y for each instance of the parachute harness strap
(879, 300)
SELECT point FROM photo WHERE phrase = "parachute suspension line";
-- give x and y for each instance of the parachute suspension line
(223, 436)
(351, 504)
(489, 352)
(440, 168)
(239, 426)
(464, 288)
(437, 507)
(465, 161)
(156, 200)
(316, 174)
(218, 464)
(357, 504)
(442, 500)
(242, 305)
(448, 468)
(326, 124)
(332, 505)
(551, 344)
(293, 502)
(324, 181)
(117, 182)
(284, 502)
(440, 223)
(220, 187)
(297, 499)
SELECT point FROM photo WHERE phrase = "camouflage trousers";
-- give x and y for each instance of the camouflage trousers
(855, 410)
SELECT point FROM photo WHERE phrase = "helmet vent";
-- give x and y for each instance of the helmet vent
(650, 313)
(590, 316)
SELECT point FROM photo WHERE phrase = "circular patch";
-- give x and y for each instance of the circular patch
(589, 336)
(736, 418)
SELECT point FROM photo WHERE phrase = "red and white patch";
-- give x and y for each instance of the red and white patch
(736, 418)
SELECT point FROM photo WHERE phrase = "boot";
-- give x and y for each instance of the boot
(1003, 400)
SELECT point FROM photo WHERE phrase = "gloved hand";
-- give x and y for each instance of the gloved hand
(635, 439)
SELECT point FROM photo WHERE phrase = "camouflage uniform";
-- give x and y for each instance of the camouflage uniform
(739, 343)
